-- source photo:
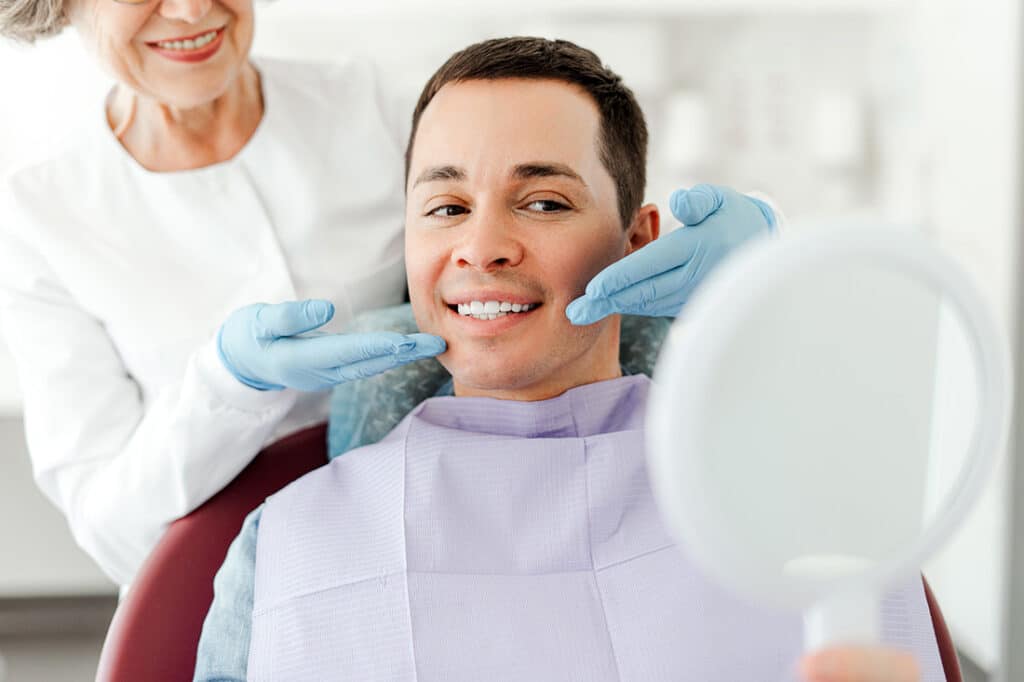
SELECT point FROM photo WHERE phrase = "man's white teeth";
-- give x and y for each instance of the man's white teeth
(492, 310)
(192, 44)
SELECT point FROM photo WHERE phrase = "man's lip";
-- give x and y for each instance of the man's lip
(155, 43)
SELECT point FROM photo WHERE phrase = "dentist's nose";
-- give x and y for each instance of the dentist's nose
(489, 244)
(189, 11)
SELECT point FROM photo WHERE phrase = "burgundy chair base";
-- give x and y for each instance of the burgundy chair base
(155, 630)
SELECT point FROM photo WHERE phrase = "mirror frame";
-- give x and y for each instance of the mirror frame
(694, 347)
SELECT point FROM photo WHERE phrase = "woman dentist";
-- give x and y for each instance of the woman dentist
(204, 182)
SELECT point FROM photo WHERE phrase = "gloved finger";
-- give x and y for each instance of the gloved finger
(766, 211)
(586, 310)
(659, 295)
(671, 251)
(292, 317)
(692, 206)
(334, 350)
(374, 366)
(860, 664)
(427, 345)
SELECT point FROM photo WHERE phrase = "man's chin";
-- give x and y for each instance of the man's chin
(485, 378)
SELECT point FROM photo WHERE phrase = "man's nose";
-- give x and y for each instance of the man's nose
(489, 243)
(189, 11)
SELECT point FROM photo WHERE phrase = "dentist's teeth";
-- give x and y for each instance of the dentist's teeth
(476, 307)
(515, 307)
(505, 306)
(492, 307)
(189, 44)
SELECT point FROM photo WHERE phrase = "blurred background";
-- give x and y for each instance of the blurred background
(881, 110)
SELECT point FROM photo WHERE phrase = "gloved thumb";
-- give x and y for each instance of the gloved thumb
(293, 317)
(692, 206)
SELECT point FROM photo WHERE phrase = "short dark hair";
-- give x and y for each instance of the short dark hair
(622, 137)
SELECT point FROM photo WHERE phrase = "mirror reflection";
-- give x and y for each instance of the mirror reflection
(838, 422)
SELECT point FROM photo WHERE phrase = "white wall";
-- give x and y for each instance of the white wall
(969, 53)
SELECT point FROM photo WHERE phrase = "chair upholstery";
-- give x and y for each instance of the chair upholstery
(947, 651)
(155, 630)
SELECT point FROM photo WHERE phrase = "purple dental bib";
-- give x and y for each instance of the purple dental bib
(498, 540)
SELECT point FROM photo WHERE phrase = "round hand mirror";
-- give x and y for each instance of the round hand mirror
(824, 413)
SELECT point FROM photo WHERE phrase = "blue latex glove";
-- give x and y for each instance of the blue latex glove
(658, 279)
(261, 346)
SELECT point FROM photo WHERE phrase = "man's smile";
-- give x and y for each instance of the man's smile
(490, 312)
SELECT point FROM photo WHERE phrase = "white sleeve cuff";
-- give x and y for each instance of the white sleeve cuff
(232, 392)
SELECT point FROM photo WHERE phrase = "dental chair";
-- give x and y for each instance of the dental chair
(155, 631)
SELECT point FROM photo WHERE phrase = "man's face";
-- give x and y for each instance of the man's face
(509, 205)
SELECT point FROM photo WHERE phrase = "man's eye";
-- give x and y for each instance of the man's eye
(448, 211)
(547, 206)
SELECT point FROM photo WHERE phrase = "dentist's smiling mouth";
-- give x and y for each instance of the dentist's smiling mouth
(193, 48)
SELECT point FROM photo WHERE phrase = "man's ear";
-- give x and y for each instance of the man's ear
(645, 228)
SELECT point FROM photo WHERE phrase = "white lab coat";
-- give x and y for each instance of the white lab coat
(115, 280)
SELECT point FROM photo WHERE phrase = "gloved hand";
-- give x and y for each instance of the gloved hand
(658, 279)
(260, 345)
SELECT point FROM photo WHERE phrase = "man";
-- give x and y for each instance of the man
(509, 532)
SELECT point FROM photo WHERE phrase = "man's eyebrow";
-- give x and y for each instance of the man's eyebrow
(435, 173)
(525, 171)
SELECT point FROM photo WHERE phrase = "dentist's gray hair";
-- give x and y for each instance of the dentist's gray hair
(29, 20)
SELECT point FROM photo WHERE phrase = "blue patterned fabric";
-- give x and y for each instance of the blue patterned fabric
(362, 412)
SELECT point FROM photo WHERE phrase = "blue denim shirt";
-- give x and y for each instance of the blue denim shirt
(223, 653)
